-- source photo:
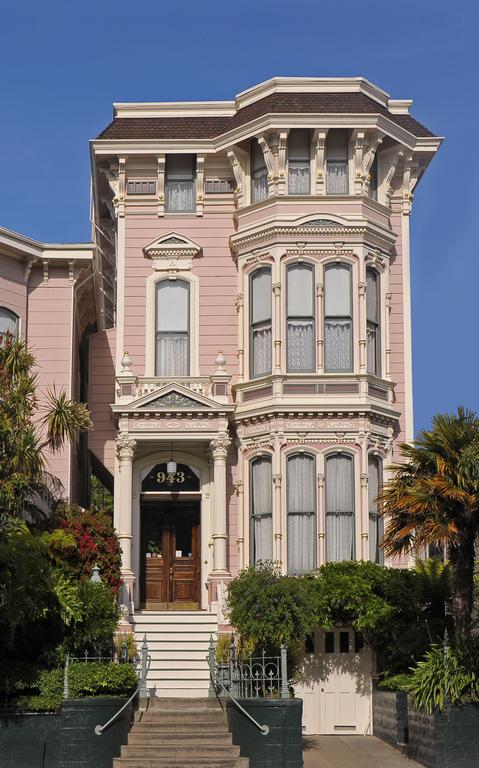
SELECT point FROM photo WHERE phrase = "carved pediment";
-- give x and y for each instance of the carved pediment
(321, 223)
(173, 399)
(172, 252)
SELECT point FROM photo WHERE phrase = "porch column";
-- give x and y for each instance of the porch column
(125, 448)
(219, 449)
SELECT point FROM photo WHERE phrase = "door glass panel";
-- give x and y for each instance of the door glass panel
(329, 642)
(184, 535)
(344, 642)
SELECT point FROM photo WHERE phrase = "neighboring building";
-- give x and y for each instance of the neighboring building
(249, 373)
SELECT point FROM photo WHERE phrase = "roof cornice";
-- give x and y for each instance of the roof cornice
(21, 245)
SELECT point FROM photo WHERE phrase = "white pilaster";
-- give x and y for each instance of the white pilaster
(219, 449)
(125, 448)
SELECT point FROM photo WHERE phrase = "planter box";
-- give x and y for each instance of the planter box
(29, 740)
(390, 721)
(445, 740)
(282, 747)
(66, 739)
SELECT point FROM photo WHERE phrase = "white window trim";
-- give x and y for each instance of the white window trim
(354, 267)
(194, 315)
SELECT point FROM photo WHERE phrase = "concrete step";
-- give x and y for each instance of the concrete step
(185, 750)
(171, 762)
(185, 703)
(174, 737)
(179, 718)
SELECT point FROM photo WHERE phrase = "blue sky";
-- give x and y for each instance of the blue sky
(62, 64)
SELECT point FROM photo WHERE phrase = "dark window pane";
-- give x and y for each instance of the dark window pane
(358, 642)
(329, 642)
(309, 643)
(344, 642)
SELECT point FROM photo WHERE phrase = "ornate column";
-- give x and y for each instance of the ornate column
(319, 329)
(219, 449)
(125, 449)
(318, 186)
(200, 184)
(161, 161)
(321, 507)
(277, 517)
(277, 327)
(364, 500)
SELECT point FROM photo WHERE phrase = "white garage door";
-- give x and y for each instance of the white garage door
(334, 681)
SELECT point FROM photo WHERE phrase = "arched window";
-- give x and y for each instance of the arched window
(259, 173)
(300, 301)
(261, 510)
(260, 320)
(338, 321)
(376, 522)
(373, 318)
(172, 328)
(301, 493)
(340, 525)
(8, 324)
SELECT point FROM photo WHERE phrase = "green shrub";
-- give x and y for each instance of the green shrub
(394, 683)
(444, 676)
(94, 631)
(94, 679)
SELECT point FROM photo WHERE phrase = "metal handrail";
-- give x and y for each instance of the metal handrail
(263, 728)
(144, 671)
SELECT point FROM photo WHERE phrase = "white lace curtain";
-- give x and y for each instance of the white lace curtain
(261, 321)
(259, 185)
(338, 327)
(372, 349)
(171, 354)
(337, 177)
(262, 509)
(180, 196)
(337, 345)
(340, 524)
(298, 178)
(301, 514)
(300, 345)
(376, 523)
(373, 321)
(262, 351)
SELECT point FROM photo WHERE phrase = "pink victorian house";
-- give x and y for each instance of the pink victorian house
(240, 327)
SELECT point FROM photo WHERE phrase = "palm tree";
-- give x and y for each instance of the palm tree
(433, 500)
(26, 487)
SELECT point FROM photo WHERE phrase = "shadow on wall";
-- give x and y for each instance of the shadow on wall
(318, 668)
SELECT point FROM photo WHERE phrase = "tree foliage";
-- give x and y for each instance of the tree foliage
(27, 489)
(398, 611)
(433, 499)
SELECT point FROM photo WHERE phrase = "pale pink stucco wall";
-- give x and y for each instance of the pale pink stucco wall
(101, 440)
(215, 268)
(13, 291)
(49, 329)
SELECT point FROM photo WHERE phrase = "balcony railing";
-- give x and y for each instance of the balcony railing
(202, 386)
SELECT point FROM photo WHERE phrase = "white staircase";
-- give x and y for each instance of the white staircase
(178, 645)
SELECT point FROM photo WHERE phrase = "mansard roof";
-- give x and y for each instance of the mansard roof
(185, 124)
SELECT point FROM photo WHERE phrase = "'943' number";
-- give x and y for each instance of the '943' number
(170, 477)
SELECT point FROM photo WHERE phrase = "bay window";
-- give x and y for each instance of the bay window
(340, 522)
(376, 522)
(259, 173)
(299, 162)
(260, 322)
(261, 510)
(180, 183)
(300, 306)
(172, 328)
(338, 323)
(373, 315)
(337, 162)
(301, 511)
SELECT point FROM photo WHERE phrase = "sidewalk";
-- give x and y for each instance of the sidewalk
(352, 752)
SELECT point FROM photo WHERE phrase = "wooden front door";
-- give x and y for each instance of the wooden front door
(170, 535)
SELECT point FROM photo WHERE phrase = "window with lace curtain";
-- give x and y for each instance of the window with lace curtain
(376, 522)
(9, 323)
(300, 304)
(338, 322)
(340, 518)
(299, 142)
(301, 511)
(373, 315)
(261, 535)
(337, 182)
(260, 322)
(172, 328)
(180, 183)
(259, 173)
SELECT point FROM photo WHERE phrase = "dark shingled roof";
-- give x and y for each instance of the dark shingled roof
(211, 127)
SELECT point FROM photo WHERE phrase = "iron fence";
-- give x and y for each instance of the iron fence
(252, 677)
